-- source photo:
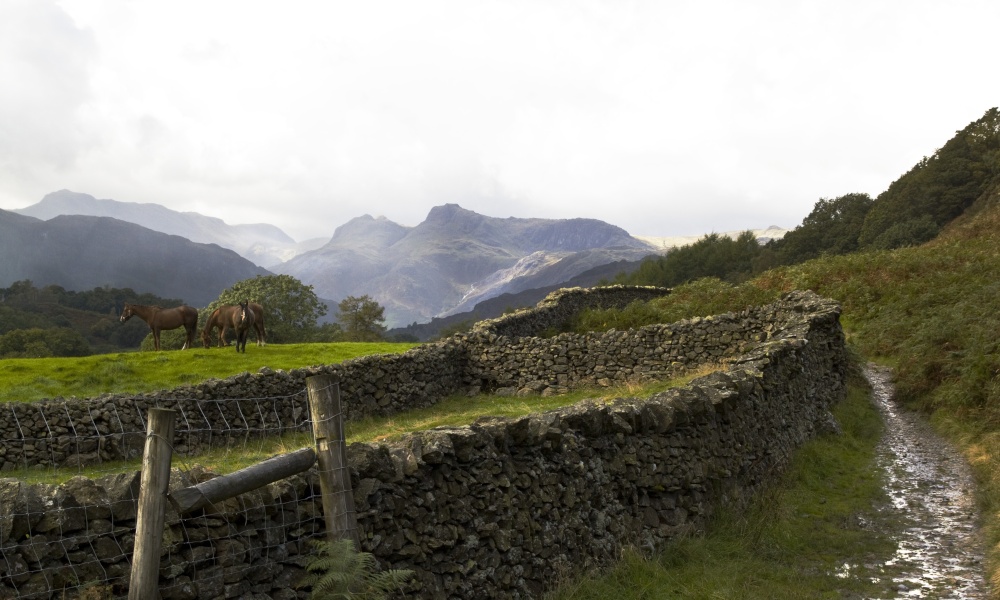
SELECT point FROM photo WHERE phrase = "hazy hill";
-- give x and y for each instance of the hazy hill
(455, 258)
(498, 305)
(260, 243)
(83, 252)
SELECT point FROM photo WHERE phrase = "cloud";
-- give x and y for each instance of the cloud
(46, 73)
(664, 118)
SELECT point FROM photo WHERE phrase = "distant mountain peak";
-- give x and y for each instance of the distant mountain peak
(368, 231)
(455, 256)
(261, 243)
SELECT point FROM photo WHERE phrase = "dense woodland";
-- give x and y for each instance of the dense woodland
(52, 321)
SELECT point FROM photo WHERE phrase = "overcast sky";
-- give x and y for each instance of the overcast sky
(663, 117)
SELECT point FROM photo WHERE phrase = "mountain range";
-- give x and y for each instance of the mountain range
(455, 258)
(263, 244)
(84, 252)
(453, 261)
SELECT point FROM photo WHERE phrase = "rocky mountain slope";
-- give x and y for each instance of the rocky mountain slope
(456, 258)
(262, 244)
(84, 252)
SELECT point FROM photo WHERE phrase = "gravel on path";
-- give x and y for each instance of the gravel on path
(932, 490)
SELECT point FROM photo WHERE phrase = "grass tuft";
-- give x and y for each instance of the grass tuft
(807, 537)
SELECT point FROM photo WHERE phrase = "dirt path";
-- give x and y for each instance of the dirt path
(931, 488)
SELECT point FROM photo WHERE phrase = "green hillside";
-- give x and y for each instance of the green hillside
(930, 311)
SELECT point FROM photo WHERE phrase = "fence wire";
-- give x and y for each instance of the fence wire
(69, 483)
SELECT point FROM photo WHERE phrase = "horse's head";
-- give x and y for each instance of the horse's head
(127, 313)
(244, 309)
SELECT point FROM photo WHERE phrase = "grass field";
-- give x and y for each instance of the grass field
(30, 379)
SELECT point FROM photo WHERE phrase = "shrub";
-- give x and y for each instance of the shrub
(340, 572)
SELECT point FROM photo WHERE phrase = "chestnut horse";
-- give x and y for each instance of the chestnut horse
(221, 318)
(164, 318)
(242, 320)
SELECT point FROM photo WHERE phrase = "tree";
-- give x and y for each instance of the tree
(41, 343)
(712, 256)
(832, 227)
(361, 319)
(912, 232)
(291, 308)
(940, 186)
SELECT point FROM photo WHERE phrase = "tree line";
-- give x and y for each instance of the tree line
(38, 322)
(911, 211)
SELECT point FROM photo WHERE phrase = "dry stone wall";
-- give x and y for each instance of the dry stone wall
(559, 308)
(501, 508)
(112, 427)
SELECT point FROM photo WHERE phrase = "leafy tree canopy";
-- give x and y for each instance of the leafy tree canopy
(712, 256)
(361, 319)
(832, 227)
(291, 308)
(92, 314)
(941, 186)
(42, 343)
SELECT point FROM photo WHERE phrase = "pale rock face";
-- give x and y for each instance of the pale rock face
(456, 258)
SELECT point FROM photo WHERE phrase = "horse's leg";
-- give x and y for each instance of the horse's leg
(156, 339)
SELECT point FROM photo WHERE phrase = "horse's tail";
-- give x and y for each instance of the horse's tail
(258, 322)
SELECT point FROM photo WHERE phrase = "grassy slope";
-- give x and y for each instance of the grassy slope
(792, 543)
(28, 379)
(933, 313)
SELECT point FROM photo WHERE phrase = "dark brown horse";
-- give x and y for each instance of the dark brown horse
(242, 320)
(159, 319)
(221, 319)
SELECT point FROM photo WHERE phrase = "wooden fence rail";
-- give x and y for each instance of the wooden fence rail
(330, 453)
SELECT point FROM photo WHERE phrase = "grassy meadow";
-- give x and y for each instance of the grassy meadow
(29, 379)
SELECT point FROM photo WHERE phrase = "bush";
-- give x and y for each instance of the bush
(340, 572)
(43, 343)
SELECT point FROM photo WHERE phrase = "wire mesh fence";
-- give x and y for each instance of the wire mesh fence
(70, 486)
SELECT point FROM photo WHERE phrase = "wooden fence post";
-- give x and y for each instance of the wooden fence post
(144, 584)
(331, 456)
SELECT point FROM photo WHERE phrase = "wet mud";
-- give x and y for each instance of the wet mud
(939, 553)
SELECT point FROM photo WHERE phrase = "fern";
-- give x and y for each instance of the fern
(340, 572)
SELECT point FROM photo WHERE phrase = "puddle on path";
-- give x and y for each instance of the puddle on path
(931, 488)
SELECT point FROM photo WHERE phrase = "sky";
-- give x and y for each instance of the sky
(666, 118)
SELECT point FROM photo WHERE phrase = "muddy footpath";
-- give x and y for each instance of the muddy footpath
(939, 553)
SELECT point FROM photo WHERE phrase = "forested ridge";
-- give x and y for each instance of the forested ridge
(911, 211)
(52, 321)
